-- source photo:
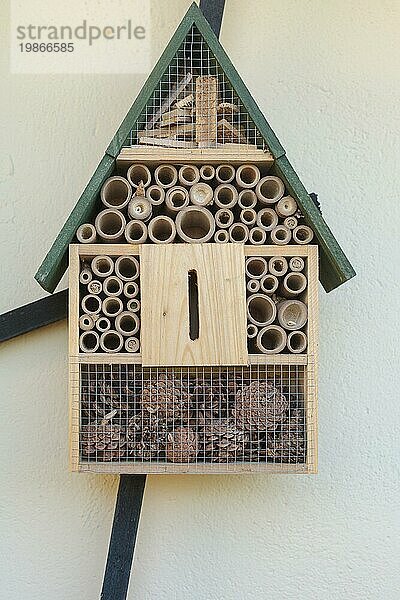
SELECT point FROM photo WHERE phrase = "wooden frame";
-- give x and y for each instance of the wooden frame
(308, 361)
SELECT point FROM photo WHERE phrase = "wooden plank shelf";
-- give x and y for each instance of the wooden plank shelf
(235, 154)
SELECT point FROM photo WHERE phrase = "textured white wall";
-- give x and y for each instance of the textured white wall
(327, 77)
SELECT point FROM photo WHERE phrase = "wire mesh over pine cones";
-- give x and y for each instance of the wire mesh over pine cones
(103, 440)
(210, 400)
(146, 436)
(107, 392)
(224, 441)
(182, 445)
(260, 406)
(167, 397)
(289, 445)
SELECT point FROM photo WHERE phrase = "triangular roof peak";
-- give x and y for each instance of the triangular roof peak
(195, 32)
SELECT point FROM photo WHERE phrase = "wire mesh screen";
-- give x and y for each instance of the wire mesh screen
(195, 105)
(194, 416)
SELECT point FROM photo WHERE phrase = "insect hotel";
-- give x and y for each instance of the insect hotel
(194, 259)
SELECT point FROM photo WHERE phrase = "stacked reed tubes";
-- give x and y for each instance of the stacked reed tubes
(276, 304)
(196, 204)
(109, 318)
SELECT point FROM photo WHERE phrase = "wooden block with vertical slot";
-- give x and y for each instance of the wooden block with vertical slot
(193, 305)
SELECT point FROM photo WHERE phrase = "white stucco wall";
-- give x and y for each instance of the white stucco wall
(326, 74)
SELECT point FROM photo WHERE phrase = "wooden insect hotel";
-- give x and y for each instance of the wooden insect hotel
(194, 258)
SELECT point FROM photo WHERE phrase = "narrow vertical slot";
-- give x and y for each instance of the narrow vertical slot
(193, 294)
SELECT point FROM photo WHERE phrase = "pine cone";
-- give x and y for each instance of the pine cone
(210, 400)
(259, 406)
(182, 445)
(289, 445)
(146, 435)
(103, 440)
(167, 398)
(224, 441)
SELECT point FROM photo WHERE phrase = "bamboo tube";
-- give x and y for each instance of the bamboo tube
(166, 176)
(206, 89)
(127, 323)
(102, 266)
(297, 342)
(238, 233)
(86, 322)
(111, 341)
(176, 198)
(271, 339)
(95, 287)
(207, 172)
(86, 234)
(155, 194)
(221, 236)
(138, 173)
(127, 268)
(270, 189)
(112, 306)
(303, 234)
(132, 344)
(201, 194)
(85, 275)
(113, 286)
(224, 218)
(247, 176)
(189, 175)
(110, 225)
(294, 284)
(281, 235)
(253, 286)
(296, 264)
(267, 219)
(256, 267)
(131, 289)
(140, 208)
(290, 222)
(225, 196)
(225, 173)
(162, 230)
(133, 305)
(116, 192)
(251, 331)
(278, 265)
(292, 314)
(269, 283)
(103, 324)
(91, 305)
(136, 232)
(89, 341)
(261, 310)
(247, 199)
(286, 206)
(195, 224)
(257, 236)
(248, 216)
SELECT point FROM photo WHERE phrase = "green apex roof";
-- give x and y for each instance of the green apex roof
(335, 268)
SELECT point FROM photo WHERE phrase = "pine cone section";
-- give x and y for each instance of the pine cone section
(167, 398)
(260, 406)
(130, 414)
(224, 441)
(182, 445)
(103, 439)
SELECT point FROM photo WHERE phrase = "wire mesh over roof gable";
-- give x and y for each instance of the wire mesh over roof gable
(174, 97)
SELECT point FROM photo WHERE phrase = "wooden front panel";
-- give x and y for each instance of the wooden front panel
(167, 326)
